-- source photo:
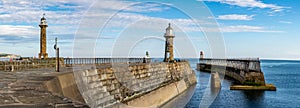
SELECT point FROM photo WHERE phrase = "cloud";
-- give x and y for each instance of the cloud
(129, 6)
(250, 4)
(65, 17)
(18, 31)
(285, 22)
(29, 12)
(235, 17)
(247, 28)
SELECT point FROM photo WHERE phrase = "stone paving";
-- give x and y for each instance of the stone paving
(25, 89)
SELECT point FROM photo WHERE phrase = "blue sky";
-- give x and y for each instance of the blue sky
(105, 28)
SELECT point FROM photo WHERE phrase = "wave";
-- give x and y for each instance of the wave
(277, 64)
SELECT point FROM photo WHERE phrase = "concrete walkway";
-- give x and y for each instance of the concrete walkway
(26, 89)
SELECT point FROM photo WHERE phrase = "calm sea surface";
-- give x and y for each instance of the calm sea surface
(284, 74)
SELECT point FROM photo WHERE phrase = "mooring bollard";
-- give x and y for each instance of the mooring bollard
(12, 68)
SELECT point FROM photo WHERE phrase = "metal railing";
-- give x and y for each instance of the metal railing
(247, 64)
(75, 61)
(26, 64)
(32, 63)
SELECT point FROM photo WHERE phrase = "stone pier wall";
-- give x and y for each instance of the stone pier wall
(134, 84)
(244, 76)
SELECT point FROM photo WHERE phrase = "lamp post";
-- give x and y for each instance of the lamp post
(57, 55)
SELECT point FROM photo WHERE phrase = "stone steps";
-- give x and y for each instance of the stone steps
(105, 101)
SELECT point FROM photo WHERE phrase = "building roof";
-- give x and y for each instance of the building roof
(4, 55)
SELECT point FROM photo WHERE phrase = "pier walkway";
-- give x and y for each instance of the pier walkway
(25, 89)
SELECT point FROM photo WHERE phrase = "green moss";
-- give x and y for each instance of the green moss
(252, 83)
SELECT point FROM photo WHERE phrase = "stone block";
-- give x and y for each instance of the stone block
(92, 78)
(91, 72)
(95, 84)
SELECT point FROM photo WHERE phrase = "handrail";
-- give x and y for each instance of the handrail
(247, 64)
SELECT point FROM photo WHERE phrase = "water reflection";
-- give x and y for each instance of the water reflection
(253, 95)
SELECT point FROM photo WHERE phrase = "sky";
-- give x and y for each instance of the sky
(128, 28)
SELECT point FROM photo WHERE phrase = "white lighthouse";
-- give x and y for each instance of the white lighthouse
(169, 35)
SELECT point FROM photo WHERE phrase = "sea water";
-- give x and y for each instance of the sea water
(284, 74)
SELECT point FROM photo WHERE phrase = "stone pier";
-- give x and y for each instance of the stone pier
(97, 86)
(246, 71)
